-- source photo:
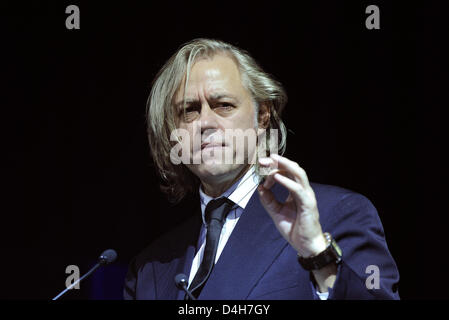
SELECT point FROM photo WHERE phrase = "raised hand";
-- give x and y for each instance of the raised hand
(297, 219)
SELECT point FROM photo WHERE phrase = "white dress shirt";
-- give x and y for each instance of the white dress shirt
(239, 193)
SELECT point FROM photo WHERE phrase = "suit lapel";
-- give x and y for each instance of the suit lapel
(251, 249)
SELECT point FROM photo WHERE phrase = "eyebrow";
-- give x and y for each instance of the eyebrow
(213, 97)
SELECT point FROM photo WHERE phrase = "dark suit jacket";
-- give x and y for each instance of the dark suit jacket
(258, 263)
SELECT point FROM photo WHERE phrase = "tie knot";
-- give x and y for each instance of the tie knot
(218, 209)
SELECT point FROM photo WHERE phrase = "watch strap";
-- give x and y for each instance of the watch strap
(331, 254)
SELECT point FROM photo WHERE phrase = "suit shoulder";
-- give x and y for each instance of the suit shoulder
(170, 243)
(337, 203)
(330, 196)
(327, 191)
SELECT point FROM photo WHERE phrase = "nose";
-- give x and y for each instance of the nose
(208, 118)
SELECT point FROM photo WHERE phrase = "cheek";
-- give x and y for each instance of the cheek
(250, 118)
(192, 141)
(244, 123)
(244, 119)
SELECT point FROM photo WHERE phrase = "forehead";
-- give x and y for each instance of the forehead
(212, 76)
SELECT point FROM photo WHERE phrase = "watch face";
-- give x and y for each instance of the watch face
(337, 248)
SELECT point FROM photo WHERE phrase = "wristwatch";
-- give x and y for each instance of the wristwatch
(332, 253)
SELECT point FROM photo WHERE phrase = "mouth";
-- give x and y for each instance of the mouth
(206, 145)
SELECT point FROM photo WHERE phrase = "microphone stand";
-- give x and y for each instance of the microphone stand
(107, 257)
(77, 281)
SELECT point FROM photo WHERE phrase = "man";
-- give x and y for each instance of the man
(272, 236)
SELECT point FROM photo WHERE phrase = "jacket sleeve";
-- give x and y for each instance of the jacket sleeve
(367, 269)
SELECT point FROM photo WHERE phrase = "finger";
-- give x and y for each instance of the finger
(268, 200)
(269, 180)
(296, 189)
(293, 168)
(267, 163)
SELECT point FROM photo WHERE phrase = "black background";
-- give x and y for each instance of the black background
(76, 172)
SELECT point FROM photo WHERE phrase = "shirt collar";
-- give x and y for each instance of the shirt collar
(240, 192)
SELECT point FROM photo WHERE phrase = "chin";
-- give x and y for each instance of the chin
(206, 171)
(215, 169)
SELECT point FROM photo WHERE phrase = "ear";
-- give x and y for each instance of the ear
(264, 115)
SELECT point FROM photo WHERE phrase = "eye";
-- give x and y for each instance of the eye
(190, 113)
(225, 106)
(190, 109)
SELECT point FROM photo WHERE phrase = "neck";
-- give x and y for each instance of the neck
(215, 189)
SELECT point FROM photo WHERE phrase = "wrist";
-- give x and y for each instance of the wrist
(314, 247)
(332, 253)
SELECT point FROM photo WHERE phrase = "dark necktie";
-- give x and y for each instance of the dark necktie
(215, 213)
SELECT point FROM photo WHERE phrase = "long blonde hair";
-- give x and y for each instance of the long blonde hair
(177, 179)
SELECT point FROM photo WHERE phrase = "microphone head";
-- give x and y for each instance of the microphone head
(181, 280)
(107, 257)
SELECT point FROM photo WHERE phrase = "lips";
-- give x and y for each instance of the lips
(205, 145)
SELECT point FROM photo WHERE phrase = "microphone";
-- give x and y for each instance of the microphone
(182, 282)
(107, 257)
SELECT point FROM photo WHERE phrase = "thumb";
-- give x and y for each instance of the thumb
(268, 200)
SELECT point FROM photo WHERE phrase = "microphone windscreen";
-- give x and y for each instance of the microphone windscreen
(108, 256)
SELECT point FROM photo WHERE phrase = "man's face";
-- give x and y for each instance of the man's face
(216, 100)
